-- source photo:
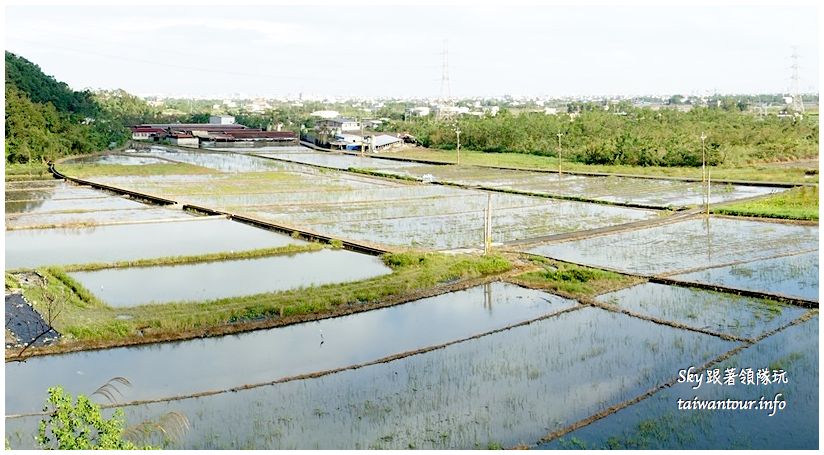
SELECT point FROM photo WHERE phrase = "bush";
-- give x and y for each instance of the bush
(80, 425)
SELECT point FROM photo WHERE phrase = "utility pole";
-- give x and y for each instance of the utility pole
(458, 134)
(361, 135)
(703, 159)
(559, 154)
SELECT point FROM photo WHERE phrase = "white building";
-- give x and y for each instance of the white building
(326, 114)
(221, 119)
(420, 111)
(338, 125)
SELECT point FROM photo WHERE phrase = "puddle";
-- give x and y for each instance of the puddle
(793, 276)
(508, 388)
(656, 423)
(685, 245)
(214, 280)
(168, 369)
(698, 308)
(38, 247)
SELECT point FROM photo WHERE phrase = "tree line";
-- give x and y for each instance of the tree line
(629, 136)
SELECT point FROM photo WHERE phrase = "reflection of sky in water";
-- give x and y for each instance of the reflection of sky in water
(94, 217)
(213, 280)
(794, 349)
(614, 189)
(701, 309)
(116, 159)
(794, 276)
(685, 245)
(36, 247)
(509, 388)
(168, 369)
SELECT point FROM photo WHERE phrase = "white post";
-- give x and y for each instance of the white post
(488, 224)
(458, 134)
(708, 192)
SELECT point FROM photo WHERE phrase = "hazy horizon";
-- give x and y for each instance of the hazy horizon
(396, 52)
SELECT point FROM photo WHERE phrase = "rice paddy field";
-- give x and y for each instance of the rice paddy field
(258, 335)
(658, 193)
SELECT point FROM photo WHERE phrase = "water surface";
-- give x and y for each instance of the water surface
(214, 280)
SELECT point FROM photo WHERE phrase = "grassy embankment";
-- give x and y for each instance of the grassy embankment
(29, 171)
(86, 322)
(571, 280)
(748, 172)
(795, 204)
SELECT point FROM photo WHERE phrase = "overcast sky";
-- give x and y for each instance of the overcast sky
(397, 51)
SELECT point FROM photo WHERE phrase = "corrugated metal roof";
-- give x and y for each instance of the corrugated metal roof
(385, 139)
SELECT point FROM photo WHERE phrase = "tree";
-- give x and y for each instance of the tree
(80, 425)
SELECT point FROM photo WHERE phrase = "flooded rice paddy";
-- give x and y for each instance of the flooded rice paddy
(121, 159)
(792, 276)
(507, 388)
(479, 377)
(253, 357)
(360, 208)
(39, 247)
(685, 245)
(657, 423)
(215, 280)
(708, 310)
(626, 190)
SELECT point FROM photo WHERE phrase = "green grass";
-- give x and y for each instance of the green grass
(90, 322)
(574, 280)
(751, 172)
(11, 282)
(211, 257)
(796, 204)
(91, 170)
(28, 171)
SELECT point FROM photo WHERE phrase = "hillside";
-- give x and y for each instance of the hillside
(46, 119)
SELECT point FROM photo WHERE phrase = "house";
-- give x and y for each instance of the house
(183, 139)
(337, 125)
(326, 114)
(420, 111)
(385, 141)
(146, 133)
(346, 142)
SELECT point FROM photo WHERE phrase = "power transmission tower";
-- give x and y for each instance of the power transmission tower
(798, 102)
(446, 94)
(445, 101)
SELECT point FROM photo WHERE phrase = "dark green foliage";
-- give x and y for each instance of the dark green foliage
(43, 89)
(638, 136)
(45, 119)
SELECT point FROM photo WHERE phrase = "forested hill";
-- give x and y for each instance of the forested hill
(46, 119)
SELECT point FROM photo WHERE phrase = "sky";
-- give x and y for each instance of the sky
(398, 51)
